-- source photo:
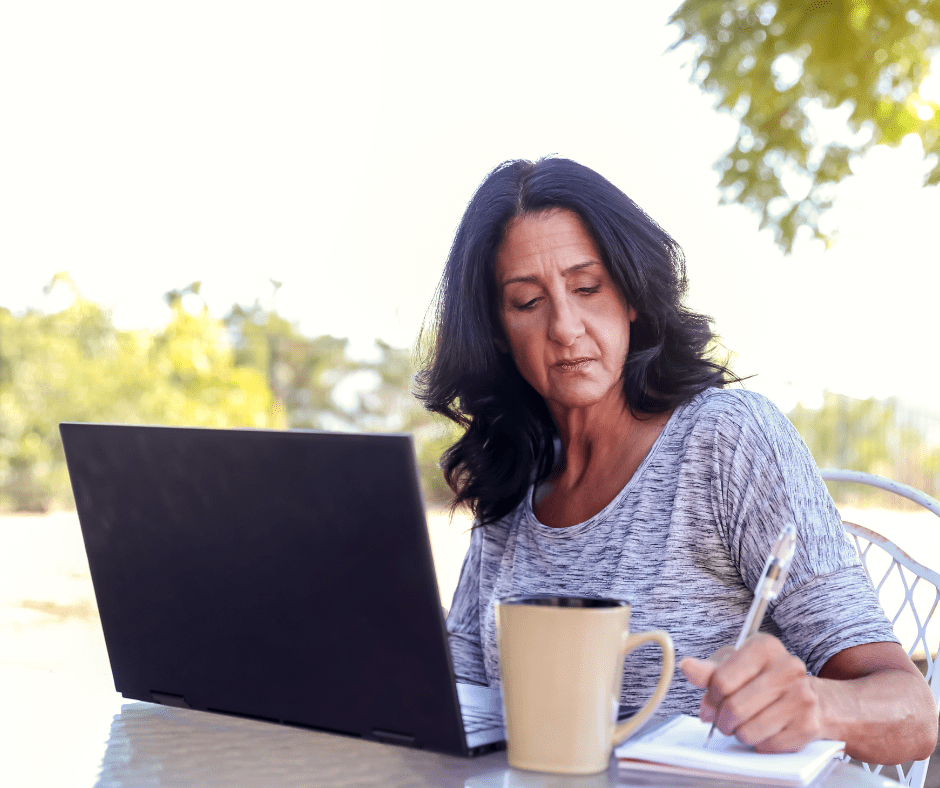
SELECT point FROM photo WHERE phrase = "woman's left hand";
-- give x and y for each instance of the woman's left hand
(760, 693)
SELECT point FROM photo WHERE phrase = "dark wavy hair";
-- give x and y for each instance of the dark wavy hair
(509, 437)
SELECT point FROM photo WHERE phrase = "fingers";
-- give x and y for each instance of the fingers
(698, 671)
(787, 726)
(740, 668)
(722, 654)
(760, 693)
(738, 709)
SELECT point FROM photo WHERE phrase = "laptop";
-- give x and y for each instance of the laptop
(284, 576)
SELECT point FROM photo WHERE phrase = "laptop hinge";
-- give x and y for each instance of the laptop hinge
(392, 737)
(169, 699)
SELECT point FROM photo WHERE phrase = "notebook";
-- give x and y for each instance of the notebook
(284, 576)
(677, 747)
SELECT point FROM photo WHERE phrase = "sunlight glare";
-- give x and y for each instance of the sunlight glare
(930, 87)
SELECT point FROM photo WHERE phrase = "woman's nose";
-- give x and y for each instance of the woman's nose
(565, 324)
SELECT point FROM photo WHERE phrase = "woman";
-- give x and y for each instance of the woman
(603, 456)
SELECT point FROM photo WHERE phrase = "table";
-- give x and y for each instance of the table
(74, 730)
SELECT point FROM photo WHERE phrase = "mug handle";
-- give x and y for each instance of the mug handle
(630, 642)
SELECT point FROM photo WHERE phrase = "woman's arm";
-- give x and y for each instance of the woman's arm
(878, 681)
(872, 697)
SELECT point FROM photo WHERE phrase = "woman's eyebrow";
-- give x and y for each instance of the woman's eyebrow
(534, 279)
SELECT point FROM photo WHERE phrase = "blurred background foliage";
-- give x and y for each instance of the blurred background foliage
(878, 436)
(253, 368)
(788, 69)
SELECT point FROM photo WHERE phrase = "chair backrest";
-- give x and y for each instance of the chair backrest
(908, 591)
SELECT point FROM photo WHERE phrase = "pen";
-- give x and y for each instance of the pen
(768, 587)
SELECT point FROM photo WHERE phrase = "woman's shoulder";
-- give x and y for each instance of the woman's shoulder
(735, 405)
(731, 419)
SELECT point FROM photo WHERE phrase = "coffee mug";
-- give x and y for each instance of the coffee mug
(561, 662)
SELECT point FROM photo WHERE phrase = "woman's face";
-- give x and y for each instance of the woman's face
(567, 324)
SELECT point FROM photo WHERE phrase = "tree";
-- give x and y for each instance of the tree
(253, 369)
(74, 365)
(318, 386)
(199, 382)
(301, 372)
(390, 405)
(868, 435)
(774, 64)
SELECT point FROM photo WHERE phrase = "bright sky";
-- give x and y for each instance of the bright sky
(334, 146)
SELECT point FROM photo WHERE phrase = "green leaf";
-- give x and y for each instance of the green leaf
(870, 53)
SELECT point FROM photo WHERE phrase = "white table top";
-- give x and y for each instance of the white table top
(75, 730)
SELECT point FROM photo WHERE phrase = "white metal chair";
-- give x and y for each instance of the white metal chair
(889, 567)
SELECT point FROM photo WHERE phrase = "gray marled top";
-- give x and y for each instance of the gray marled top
(685, 542)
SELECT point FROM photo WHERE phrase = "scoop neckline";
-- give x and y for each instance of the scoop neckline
(577, 528)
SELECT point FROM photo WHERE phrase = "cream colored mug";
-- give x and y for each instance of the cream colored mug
(561, 662)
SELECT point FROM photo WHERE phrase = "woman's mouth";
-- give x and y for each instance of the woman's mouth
(572, 365)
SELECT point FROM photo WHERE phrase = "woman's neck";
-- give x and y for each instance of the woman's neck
(600, 453)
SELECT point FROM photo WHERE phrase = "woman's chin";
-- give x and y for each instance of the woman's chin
(582, 397)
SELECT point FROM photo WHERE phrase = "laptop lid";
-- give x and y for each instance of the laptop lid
(281, 575)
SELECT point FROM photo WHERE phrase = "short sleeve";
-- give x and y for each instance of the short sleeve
(767, 477)
(463, 620)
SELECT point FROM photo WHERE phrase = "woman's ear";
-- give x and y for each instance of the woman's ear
(632, 314)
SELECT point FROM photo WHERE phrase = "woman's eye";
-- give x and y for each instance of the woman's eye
(589, 290)
(525, 306)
